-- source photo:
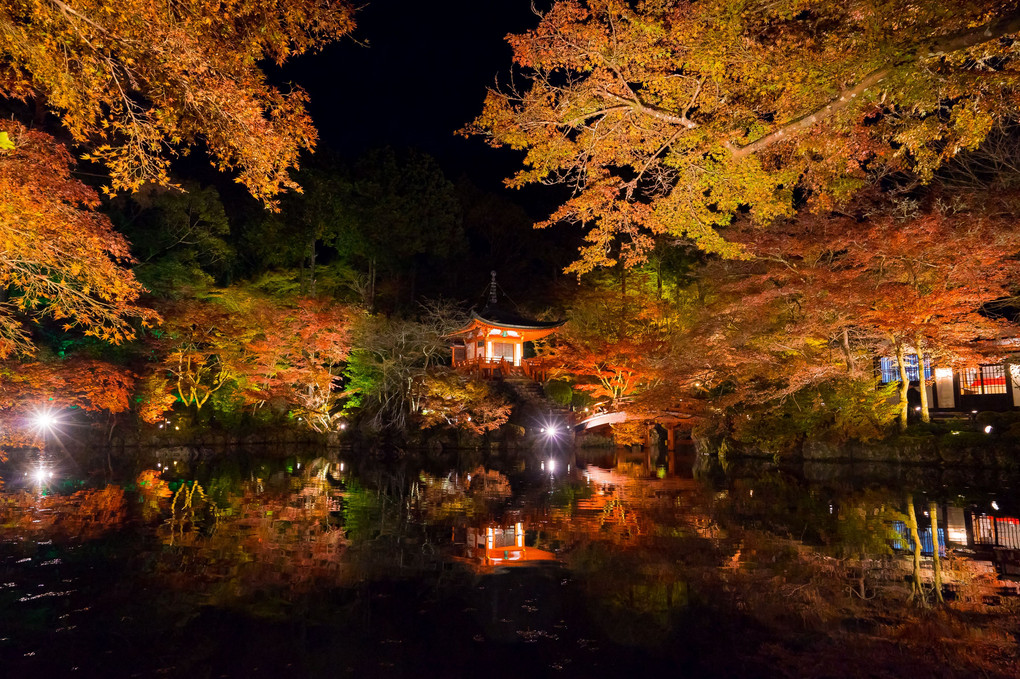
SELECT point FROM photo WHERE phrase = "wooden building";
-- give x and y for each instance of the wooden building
(492, 344)
(991, 386)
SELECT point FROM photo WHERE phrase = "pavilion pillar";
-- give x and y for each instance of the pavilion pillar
(671, 438)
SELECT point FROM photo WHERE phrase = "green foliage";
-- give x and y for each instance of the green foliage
(180, 237)
(559, 391)
(383, 377)
(839, 411)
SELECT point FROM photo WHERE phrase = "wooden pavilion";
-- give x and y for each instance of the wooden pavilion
(491, 345)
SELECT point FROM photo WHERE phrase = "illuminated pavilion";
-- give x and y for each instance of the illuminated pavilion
(492, 343)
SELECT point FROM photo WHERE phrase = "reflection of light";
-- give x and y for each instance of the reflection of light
(552, 465)
(543, 466)
(995, 505)
(341, 466)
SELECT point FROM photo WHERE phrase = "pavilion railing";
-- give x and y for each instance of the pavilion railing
(537, 369)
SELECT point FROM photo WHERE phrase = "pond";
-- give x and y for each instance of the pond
(554, 563)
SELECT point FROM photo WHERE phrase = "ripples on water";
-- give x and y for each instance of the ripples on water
(329, 566)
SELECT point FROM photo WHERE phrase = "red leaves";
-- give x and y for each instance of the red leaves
(62, 259)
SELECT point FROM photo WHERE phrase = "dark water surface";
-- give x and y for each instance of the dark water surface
(553, 563)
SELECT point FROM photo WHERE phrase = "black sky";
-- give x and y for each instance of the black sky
(412, 74)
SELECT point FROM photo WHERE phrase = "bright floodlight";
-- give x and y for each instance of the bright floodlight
(45, 420)
(995, 505)
(40, 475)
(988, 429)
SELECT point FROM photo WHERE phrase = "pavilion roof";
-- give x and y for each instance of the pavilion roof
(496, 317)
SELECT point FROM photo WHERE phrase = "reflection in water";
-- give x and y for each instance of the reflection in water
(543, 564)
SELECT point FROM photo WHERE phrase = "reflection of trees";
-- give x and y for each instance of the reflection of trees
(86, 514)
(633, 544)
(440, 499)
(265, 535)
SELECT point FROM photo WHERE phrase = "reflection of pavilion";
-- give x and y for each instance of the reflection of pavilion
(502, 546)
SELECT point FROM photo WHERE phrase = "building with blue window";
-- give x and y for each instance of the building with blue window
(989, 386)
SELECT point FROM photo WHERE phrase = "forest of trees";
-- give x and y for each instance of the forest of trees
(769, 197)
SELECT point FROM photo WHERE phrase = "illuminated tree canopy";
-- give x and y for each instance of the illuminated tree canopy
(668, 119)
(139, 81)
(59, 258)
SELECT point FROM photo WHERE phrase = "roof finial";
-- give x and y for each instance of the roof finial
(492, 289)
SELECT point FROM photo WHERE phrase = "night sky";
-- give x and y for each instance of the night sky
(411, 75)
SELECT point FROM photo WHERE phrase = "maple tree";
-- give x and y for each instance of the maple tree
(824, 296)
(62, 259)
(138, 82)
(202, 346)
(299, 355)
(52, 385)
(670, 118)
(445, 398)
(621, 329)
(257, 348)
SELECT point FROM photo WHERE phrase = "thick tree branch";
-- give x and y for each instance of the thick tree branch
(990, 31)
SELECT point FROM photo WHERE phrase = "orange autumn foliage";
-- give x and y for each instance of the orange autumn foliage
(62, 260)
(140, 81)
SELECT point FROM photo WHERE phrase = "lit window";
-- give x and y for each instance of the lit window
(985, 379)
(504, 350)
(891, 372)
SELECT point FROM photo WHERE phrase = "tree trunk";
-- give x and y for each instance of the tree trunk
(623, 301)
(658, 278)
(311, 267)
(936, 559)
(845, 344)
(916, 590)
(371, 285)
(904, 383)
(922, 380)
